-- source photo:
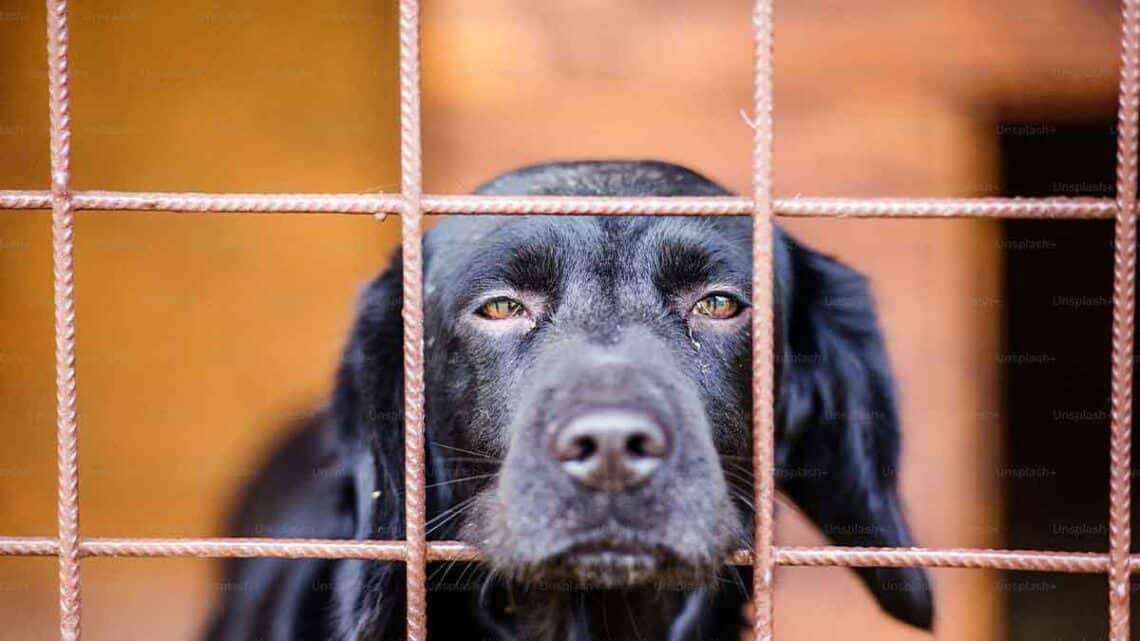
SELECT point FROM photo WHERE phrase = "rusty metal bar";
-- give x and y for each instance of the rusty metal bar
(379, 204)
(411, 235)
(260, 548)
(63, 221)
(1123, 326)
(1026, 560)
(375, 204)
(763, 357)
(826, 556)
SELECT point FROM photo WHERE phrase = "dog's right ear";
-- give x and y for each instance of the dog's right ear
(367, 404)
(367, 412)
(340, 475)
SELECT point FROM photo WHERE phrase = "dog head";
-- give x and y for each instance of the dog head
(588, 392)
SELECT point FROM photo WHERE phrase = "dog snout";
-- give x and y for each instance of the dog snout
(611, 450)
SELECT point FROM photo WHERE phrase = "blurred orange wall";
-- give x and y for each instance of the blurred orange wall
(199, 334)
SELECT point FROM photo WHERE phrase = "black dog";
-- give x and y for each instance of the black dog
(588, 428)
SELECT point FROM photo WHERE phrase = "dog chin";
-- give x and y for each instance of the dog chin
(619, 565)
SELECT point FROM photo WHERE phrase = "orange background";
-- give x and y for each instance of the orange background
(200, 335)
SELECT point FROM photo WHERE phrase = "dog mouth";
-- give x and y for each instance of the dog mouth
(610, 565)
(618, 564)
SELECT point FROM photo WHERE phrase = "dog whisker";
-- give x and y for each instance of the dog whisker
(464, 479)
(736, 478)
(482, 455)
(471, 460)
(632, 619)
(451, 514)
(736, 579)
(445, 568)
(743, 498)
(741, 467)
(474, 577)
(458, 506)
(747, 478)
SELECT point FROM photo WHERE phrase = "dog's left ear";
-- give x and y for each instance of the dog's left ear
(837, 420)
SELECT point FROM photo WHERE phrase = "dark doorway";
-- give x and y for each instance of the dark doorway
(1057, 313)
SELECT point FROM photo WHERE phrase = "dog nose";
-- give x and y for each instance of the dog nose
(611, 450)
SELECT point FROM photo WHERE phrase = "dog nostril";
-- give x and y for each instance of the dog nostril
(610, 450)
(585, 447)
(636, 445)
(648, 444)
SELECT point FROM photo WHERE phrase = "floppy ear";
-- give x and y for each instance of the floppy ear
(339, 475)
(367, 411)
(839, 427)
(368, 407)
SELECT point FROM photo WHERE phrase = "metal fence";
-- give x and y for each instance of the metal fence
(412, 203)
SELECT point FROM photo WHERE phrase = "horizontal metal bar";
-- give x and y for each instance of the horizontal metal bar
(590, 205)
(377, 204)
(946, 207)
(380, 204)
(827, 556)
(1029, 560)
(262, 548)
(10, 199)
(237, 547)
(29, 546)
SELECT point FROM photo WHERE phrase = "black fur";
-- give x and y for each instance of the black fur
(611, 325)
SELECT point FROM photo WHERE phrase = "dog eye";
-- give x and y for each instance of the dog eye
(718, 306)
(501, 308)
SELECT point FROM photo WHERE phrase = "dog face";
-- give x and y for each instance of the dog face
(606, 363)
(588, 406)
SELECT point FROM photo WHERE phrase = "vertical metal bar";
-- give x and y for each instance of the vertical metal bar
(411, 234)
(1123, 323)
(763, 411)
(63, 219)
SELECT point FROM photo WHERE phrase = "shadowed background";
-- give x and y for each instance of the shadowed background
(201, 335)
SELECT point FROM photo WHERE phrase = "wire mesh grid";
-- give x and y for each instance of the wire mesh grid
(411, 204)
